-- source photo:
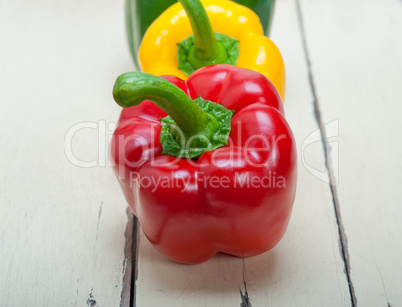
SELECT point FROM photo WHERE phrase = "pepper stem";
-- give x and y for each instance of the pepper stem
(206, 49)
(132, 88)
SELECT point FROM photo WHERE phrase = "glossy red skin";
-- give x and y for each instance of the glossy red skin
(191, 224)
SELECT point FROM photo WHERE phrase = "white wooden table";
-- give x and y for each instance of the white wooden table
(66, 237)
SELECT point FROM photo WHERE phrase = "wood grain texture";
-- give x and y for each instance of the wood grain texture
(306, 268)
(356, 52)
(62, 226)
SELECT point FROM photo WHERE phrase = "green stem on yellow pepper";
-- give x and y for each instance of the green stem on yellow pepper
(206, 49)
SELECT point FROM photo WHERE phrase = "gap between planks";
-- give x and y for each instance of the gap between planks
(129, 262)
(317, 112)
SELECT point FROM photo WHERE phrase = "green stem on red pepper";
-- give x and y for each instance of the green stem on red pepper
(192, 127)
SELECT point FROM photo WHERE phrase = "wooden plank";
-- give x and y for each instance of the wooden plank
(356, 54)
(306, 268)
(62, 230)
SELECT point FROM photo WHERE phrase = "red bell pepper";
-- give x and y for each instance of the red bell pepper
(232, 193)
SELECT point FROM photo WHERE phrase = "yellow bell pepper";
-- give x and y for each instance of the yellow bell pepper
(158, 50)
